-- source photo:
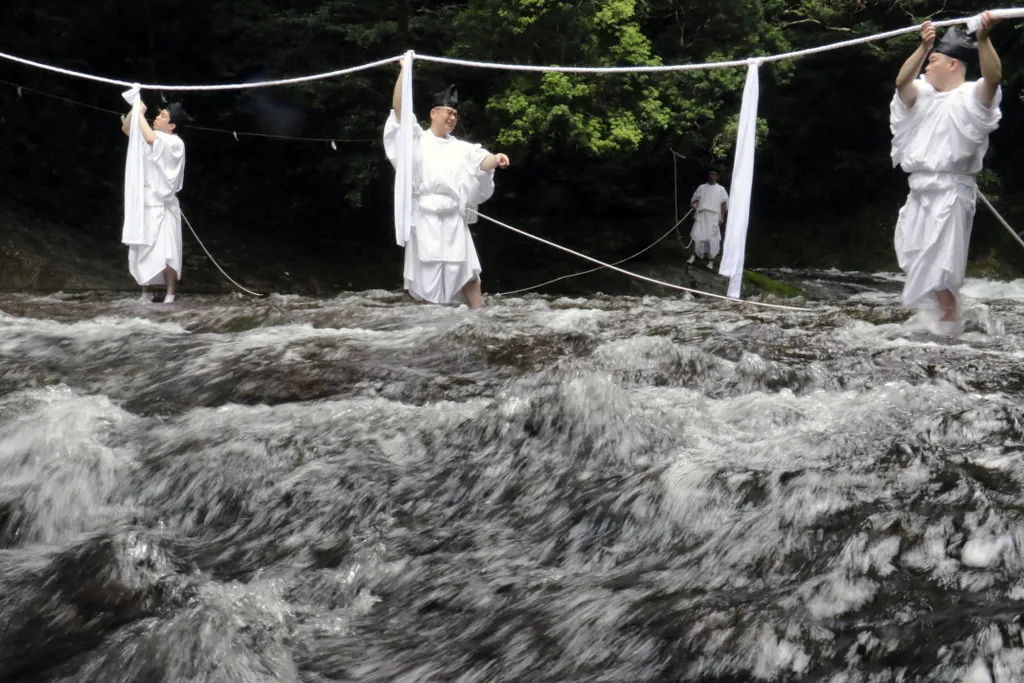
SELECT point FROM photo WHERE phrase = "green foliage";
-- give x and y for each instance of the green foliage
(597, 115)
(766, 284)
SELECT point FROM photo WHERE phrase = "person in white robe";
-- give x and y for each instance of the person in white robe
(448, 176)
(155, 259)
(710, 205)
(940, 125)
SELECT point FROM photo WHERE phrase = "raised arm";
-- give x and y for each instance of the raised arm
(991, 67)
(912, 67)
(147, 130)
(396, 97)
(126, 120)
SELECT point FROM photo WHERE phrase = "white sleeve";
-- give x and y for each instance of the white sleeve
(903, 120)
(168, 153)
(973, 118)
(475, 185)
(901, 117)
(391, 128)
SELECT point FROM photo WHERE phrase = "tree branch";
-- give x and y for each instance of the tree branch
(815, 21)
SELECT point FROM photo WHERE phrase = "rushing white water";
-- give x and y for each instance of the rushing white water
(552, 489)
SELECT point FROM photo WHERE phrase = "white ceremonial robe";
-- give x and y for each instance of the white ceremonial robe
(164, 174)
(440, 257)
(707, 233)
(941, 142)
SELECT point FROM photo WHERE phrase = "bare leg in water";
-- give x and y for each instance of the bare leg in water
(947, 302)
(472, 292)
(171, 278)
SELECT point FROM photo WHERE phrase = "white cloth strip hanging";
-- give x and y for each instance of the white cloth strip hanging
(403, 166)
(133, 231)
(742, 186)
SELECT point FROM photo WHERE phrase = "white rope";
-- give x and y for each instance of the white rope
(247, 291)
(636, 275)
(1001, 219)
(675, 197)
(661, 68)
(674, 228)
(229, 86)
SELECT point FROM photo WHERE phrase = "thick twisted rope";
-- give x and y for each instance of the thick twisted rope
(180, 88)
(235, 133)
(661, 68)
(658, 68)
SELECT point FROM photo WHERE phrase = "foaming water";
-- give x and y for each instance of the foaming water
(551, 489)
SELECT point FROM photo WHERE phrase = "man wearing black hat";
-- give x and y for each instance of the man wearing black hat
(940, 125)
(449, 177)
(157, 260)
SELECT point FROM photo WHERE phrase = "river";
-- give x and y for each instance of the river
(597, 489)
